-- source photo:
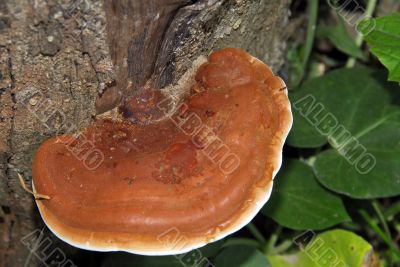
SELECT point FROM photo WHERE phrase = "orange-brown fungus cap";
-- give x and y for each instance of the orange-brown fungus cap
(199, 170)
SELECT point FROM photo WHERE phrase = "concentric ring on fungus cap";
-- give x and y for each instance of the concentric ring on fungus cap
(171, 181)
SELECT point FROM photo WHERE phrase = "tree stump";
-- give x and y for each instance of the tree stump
(64, 61)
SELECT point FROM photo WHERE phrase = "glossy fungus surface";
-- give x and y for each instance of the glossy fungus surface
(170, 174)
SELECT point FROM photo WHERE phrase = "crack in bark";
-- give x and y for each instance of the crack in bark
(164, 33)
(136, 30)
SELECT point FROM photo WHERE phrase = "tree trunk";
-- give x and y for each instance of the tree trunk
(64, 61)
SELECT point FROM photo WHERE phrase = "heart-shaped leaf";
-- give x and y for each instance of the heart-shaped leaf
(358, 113)
(299, 202)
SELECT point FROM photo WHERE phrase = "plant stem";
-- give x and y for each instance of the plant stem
(378, 211)
(380, 233)
(270, 245)
(256, 233)
(282, 247)
(311, 26)
(359, 38)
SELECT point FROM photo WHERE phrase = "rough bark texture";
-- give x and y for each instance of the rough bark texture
(56, 70)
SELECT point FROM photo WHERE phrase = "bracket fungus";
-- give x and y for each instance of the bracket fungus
(199, 163)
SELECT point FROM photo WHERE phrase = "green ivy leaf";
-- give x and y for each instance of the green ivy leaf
(299, 202)
(331, 248)
(340, 38)
(357, 112)
(383, 36)
(241, 256)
